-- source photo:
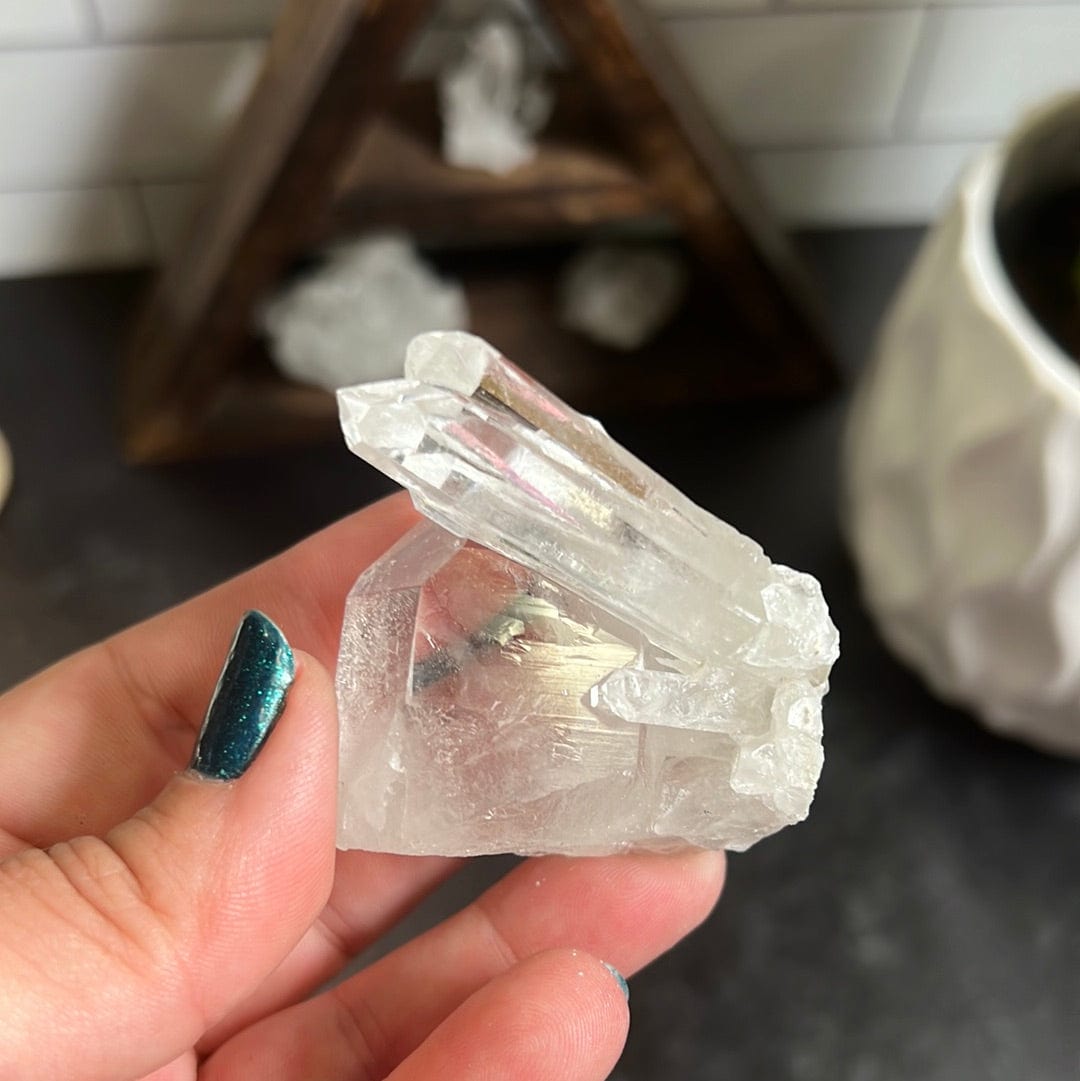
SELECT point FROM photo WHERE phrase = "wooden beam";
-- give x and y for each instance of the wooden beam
(667, 130)
(332, 66)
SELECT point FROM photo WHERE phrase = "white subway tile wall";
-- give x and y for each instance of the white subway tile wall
(26, 23)
(91, 115)
(891, 184)
(983, 66)
(801, 79)
(850, 111)
(81, 228)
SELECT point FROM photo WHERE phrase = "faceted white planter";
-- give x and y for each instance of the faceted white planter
(962, 464)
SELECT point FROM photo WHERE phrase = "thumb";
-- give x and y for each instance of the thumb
(117, 953)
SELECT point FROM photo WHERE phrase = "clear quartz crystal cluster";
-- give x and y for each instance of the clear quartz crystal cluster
(567, 655)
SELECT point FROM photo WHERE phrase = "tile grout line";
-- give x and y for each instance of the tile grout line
(960, 145)
(795, 146)
(134, 191)
(93, 18)
(920, 64)
(849, 142)
(100, 183)
(790, 8)
(107, 43)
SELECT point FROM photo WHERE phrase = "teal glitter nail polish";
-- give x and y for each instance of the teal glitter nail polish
(247, 701)
(619, 978)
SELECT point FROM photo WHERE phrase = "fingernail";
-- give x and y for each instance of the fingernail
(247, 701)
(619, 978)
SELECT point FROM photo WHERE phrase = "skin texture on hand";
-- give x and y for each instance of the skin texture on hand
(162, 924)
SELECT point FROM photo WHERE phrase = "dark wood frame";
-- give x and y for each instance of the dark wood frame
(293, 176)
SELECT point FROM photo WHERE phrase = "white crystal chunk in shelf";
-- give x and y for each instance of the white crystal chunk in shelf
(571, 656)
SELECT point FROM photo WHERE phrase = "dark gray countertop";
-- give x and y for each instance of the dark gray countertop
(923, 923)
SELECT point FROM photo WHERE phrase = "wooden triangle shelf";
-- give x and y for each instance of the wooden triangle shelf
(332, 143)
(579, 180)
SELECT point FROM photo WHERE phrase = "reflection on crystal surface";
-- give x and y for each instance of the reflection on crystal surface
(570, 656)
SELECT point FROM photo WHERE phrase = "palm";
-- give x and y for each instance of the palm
(87, 743)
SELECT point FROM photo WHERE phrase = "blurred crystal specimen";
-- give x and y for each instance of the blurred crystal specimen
(350, 320)
(568, 656)
(620, 295)
(491, 105)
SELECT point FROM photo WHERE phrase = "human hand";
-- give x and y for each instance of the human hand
(167, 925)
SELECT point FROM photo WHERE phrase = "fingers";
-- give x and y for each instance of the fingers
(91, 740)
(560, 1016)
(183, 1068)
(86, 743)
(372, 891)
(626, 909)
(116, 954)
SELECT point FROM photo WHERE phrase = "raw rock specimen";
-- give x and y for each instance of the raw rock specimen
(569, 656)
(491, 106)
(350, 320)
(620, 295)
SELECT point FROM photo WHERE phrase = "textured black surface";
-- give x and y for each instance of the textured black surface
(924, 923)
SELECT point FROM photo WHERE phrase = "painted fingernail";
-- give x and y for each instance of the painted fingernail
(247, 701)
(619, 978)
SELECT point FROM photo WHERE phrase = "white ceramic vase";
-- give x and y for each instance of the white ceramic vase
(962, 463)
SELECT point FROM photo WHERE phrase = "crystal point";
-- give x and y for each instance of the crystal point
(569, 655)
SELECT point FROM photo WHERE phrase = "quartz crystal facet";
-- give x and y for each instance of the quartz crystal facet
(568, 655)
